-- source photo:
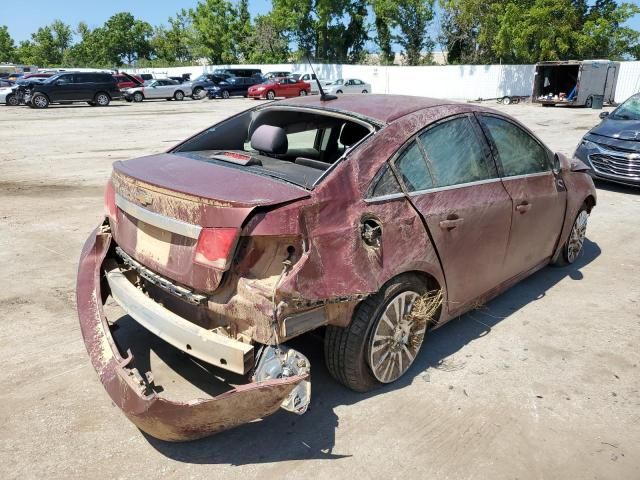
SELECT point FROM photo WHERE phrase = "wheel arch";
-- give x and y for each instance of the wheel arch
(590, 202)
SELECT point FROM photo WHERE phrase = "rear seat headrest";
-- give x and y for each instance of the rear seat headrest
(269, 139)
(352, 133)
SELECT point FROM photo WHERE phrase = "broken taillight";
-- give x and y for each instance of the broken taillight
(215, 247)
(110, 201)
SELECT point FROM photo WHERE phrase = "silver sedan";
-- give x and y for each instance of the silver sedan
(347, 85)
(158, 89)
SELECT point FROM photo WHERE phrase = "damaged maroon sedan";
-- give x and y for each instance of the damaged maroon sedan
(371, 218)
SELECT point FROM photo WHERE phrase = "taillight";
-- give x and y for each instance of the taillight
(110, 201)
(215, 247)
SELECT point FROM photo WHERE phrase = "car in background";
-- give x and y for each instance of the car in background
(126, 80)
(234, 86)
(162, 88)
(205, 81)
(612, 148)
(270, 75)
(348, 85)
(9, 95)
(239, 72)
(312, 79)
(370, 220)
(95, 88)
(14, 76)
(280, 87)
(6, 83)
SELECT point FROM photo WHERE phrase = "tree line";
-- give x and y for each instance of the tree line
(342, 31)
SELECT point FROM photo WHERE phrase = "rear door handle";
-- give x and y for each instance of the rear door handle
(523, 207)
(451, 223)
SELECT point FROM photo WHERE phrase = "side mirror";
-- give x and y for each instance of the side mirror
(603, 115)
(579, 166)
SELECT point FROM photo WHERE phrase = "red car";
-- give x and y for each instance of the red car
(280, 87)
(126, 80)
(367, 218)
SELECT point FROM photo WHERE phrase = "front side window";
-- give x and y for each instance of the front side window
(64, 79)
(455, 155)
(413, 169)
(519, 153)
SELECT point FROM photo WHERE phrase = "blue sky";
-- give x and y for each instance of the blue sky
(24, 18)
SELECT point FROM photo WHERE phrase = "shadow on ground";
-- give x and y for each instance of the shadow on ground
(284, 436)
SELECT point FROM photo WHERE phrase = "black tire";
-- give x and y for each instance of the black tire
(39, 100)
(178, 95)
(102, 99)
(225, 94)
(12, 100)
(302, 93)
(339, 91)
(128, 99)
(565, 258)
(271, 95)
(346, 349)
(365, 91)
(138, 97)
(589, 102)
(196, 93)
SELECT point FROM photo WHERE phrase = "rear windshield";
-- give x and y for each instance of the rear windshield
(314, 142)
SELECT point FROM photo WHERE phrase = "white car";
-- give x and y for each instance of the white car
(8, 96)
(158, 89)
(311, 78)
(347, 85)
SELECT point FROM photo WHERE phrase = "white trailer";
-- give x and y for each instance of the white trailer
(575, 82)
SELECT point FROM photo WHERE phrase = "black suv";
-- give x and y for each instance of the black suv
(95, 88)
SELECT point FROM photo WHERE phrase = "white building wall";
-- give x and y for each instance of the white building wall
(461, 82)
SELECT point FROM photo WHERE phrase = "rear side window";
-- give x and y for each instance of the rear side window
(413, 169)
(455, 155)
(519, 152)
(386, 184)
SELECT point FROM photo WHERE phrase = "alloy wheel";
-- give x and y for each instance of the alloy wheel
(396, 339)
(576, 238)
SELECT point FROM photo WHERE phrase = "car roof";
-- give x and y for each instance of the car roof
(381, 108)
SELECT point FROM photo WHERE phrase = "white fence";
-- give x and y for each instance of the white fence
(462, 82)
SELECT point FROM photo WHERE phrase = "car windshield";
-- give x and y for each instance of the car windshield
(148, 82)
(52, 79)
(629, 110)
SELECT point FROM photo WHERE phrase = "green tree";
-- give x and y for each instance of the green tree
(412, 18)
(126, 39)
(90, 50)
(174, 44)
(7, 46)
(267, 43)
(242, 31)
(383, 11)
(47, 46)
(213, 22)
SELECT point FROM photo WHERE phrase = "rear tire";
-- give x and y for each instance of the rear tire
(197, 93)
(12, 100)
(349, 351)
(179, 95)
(102, 99)
(39, 101)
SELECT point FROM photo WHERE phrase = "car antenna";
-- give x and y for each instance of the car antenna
(323, 96)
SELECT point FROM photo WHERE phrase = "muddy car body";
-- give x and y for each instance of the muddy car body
(373, 217)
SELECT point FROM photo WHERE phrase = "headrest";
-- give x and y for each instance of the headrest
(352, 133)
(269, 139)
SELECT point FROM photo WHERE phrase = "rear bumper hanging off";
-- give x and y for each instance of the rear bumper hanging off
(151, 412)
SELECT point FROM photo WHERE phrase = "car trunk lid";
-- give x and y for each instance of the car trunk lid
(165, 201)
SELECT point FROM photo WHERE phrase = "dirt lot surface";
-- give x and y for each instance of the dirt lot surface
(541, 383)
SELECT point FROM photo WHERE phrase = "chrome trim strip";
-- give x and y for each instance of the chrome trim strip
(201, 343)
(165, 223)
(382, 198)
(527, 175)
(451, 187)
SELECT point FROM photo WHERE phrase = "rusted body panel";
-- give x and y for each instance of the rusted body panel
(158, 416)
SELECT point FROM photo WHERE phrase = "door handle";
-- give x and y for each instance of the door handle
(451, 223)
(523, 207)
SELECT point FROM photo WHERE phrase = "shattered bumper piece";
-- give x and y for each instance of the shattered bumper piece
(151, 412)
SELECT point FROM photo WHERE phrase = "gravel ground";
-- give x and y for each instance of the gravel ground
(543, 382)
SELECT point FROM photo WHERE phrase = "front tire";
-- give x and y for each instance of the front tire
(573, 246)
(39, 101)
(271, 95)
(382, 340)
